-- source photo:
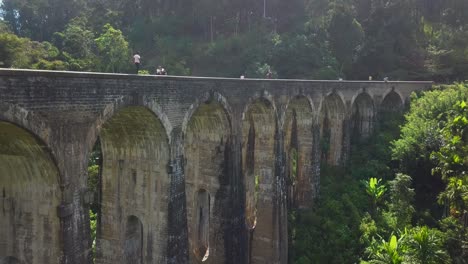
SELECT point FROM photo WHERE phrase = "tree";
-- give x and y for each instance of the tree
(386, 252)
(392, 46)
(113, 50)
(346, 35)
(422, 135)
(376, 191)
(77, 45)
(424, 245)
(39, 19)
(23, 53)
(452, 160)
(10, 50)
(401, 200)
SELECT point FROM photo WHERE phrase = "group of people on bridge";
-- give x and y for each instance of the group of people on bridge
(137, 61)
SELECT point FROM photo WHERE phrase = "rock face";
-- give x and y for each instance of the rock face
(195, 170)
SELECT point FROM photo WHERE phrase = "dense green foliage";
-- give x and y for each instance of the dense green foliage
(352, 39)
(94, 174)
(331, 231)
(427, 138)
(387, 210)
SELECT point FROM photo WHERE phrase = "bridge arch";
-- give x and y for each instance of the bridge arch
(111, 109)
(133, 180)
(207, 97)
(26, 119)
(266, 97)
(362, 116)
(207, 143)
(259, 128)
(392, 101)
(332, 116)
(299, 144)
(30, 230)
(367, 91)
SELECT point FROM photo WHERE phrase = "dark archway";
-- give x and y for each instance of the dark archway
(134, 181)
(133, 241)
(332, 116)
(207, 140)
(202, 225)
(392, 103)
(298, 144)
(30, 195)
(363, 114)
(258, 165)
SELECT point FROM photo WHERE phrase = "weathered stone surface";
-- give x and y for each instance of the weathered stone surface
(191, 165)
(259, 130)
(299, 150)
(30, 194)
(135, 187)
(206, 141)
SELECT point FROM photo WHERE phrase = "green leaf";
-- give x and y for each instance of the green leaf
(462, 104)
(393, 243)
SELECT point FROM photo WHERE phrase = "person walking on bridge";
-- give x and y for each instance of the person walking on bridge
(136, 61)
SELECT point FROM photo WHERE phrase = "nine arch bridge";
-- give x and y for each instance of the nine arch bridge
(193, 169)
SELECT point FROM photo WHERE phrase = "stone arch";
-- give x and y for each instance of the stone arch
(299, 145)
(134, 181)
(392, 102)
(259, 127)
(111, 109)
(266, 98)
(207, 97)
(362, 117)
(133, 241)
(331, 120)
(207, 144)
(26, 119)
(30, 194)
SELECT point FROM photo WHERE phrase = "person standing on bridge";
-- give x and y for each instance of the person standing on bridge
(136, 61)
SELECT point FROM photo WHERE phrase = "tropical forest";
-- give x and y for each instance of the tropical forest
(401, 197)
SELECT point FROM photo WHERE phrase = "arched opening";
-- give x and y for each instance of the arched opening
(298, 141)
(30, 195)
(258, 166)
(207, 144)
(362, 117)
(133, 241)
(202, 224)
(332, 116)
(391, 103)
(133, 181)
(94, 194)
(251, 182)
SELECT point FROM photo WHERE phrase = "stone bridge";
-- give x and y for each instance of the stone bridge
(192, 169)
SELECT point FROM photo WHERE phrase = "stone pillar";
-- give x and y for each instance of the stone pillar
(316, 157)
(71, 148)
(178, 234)
(346, 147)
(280, 200)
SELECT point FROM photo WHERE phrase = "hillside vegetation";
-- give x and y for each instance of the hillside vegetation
(319, 39)
(403, 197)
